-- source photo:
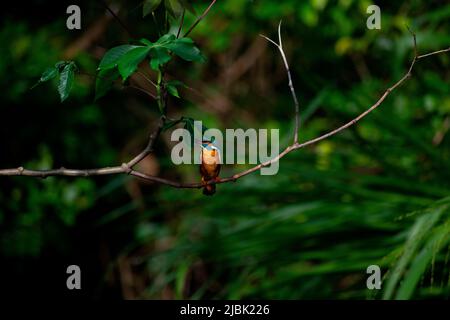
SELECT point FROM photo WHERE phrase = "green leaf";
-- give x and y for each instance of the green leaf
(130, 61)
(150, 6)
(185, 49)
(417, 234)
(159, 56)
(181, 276)
(172, 87)
(189, 126)
(174, 8)
(112, 56)
(60, 64)
(104, 81)
(165, 39)
(177, 83)
(48, 74)
(66, 81)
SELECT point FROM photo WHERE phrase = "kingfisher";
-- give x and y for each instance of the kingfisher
(210, 166)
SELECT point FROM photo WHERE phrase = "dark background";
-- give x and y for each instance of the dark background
(374, 194)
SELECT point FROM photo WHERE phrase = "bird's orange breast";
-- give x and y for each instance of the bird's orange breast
(210, 166)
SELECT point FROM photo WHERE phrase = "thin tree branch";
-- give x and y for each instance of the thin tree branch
(181, 23)
(127, 168)
(156, 23)
(143, 75)
(140, 89)
(123, 25)
(432, 53)
(204, 14)
(150, 145)
(373, 107)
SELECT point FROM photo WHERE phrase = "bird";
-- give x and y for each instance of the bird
(209, 166)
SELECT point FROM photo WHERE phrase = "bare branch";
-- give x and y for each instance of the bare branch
(127, 168)
(432, 53)
(279, 35)
(143, 75)
(140, 89)
(151, 143)
(123, 25)
(270, 40)
(181, 23)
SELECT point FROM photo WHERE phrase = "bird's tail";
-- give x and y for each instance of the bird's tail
(209, 189)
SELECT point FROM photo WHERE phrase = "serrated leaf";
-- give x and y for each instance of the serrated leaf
(185, 49)
(112, 56)
(104, 81)
(174, 8)
(150, 6)
(130, 61)
(66, 81)
(159, 56)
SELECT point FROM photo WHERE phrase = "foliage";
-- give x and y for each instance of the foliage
(65, 70)
(124, 60)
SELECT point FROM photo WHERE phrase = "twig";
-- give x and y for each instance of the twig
(123, 25)
(142, 90)
(200, 18)
(151, 142)
(127, 168)
(156, 23)
(279, 45)
(432, 53)
(181, 23)
(143, 75)
(373, 107)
